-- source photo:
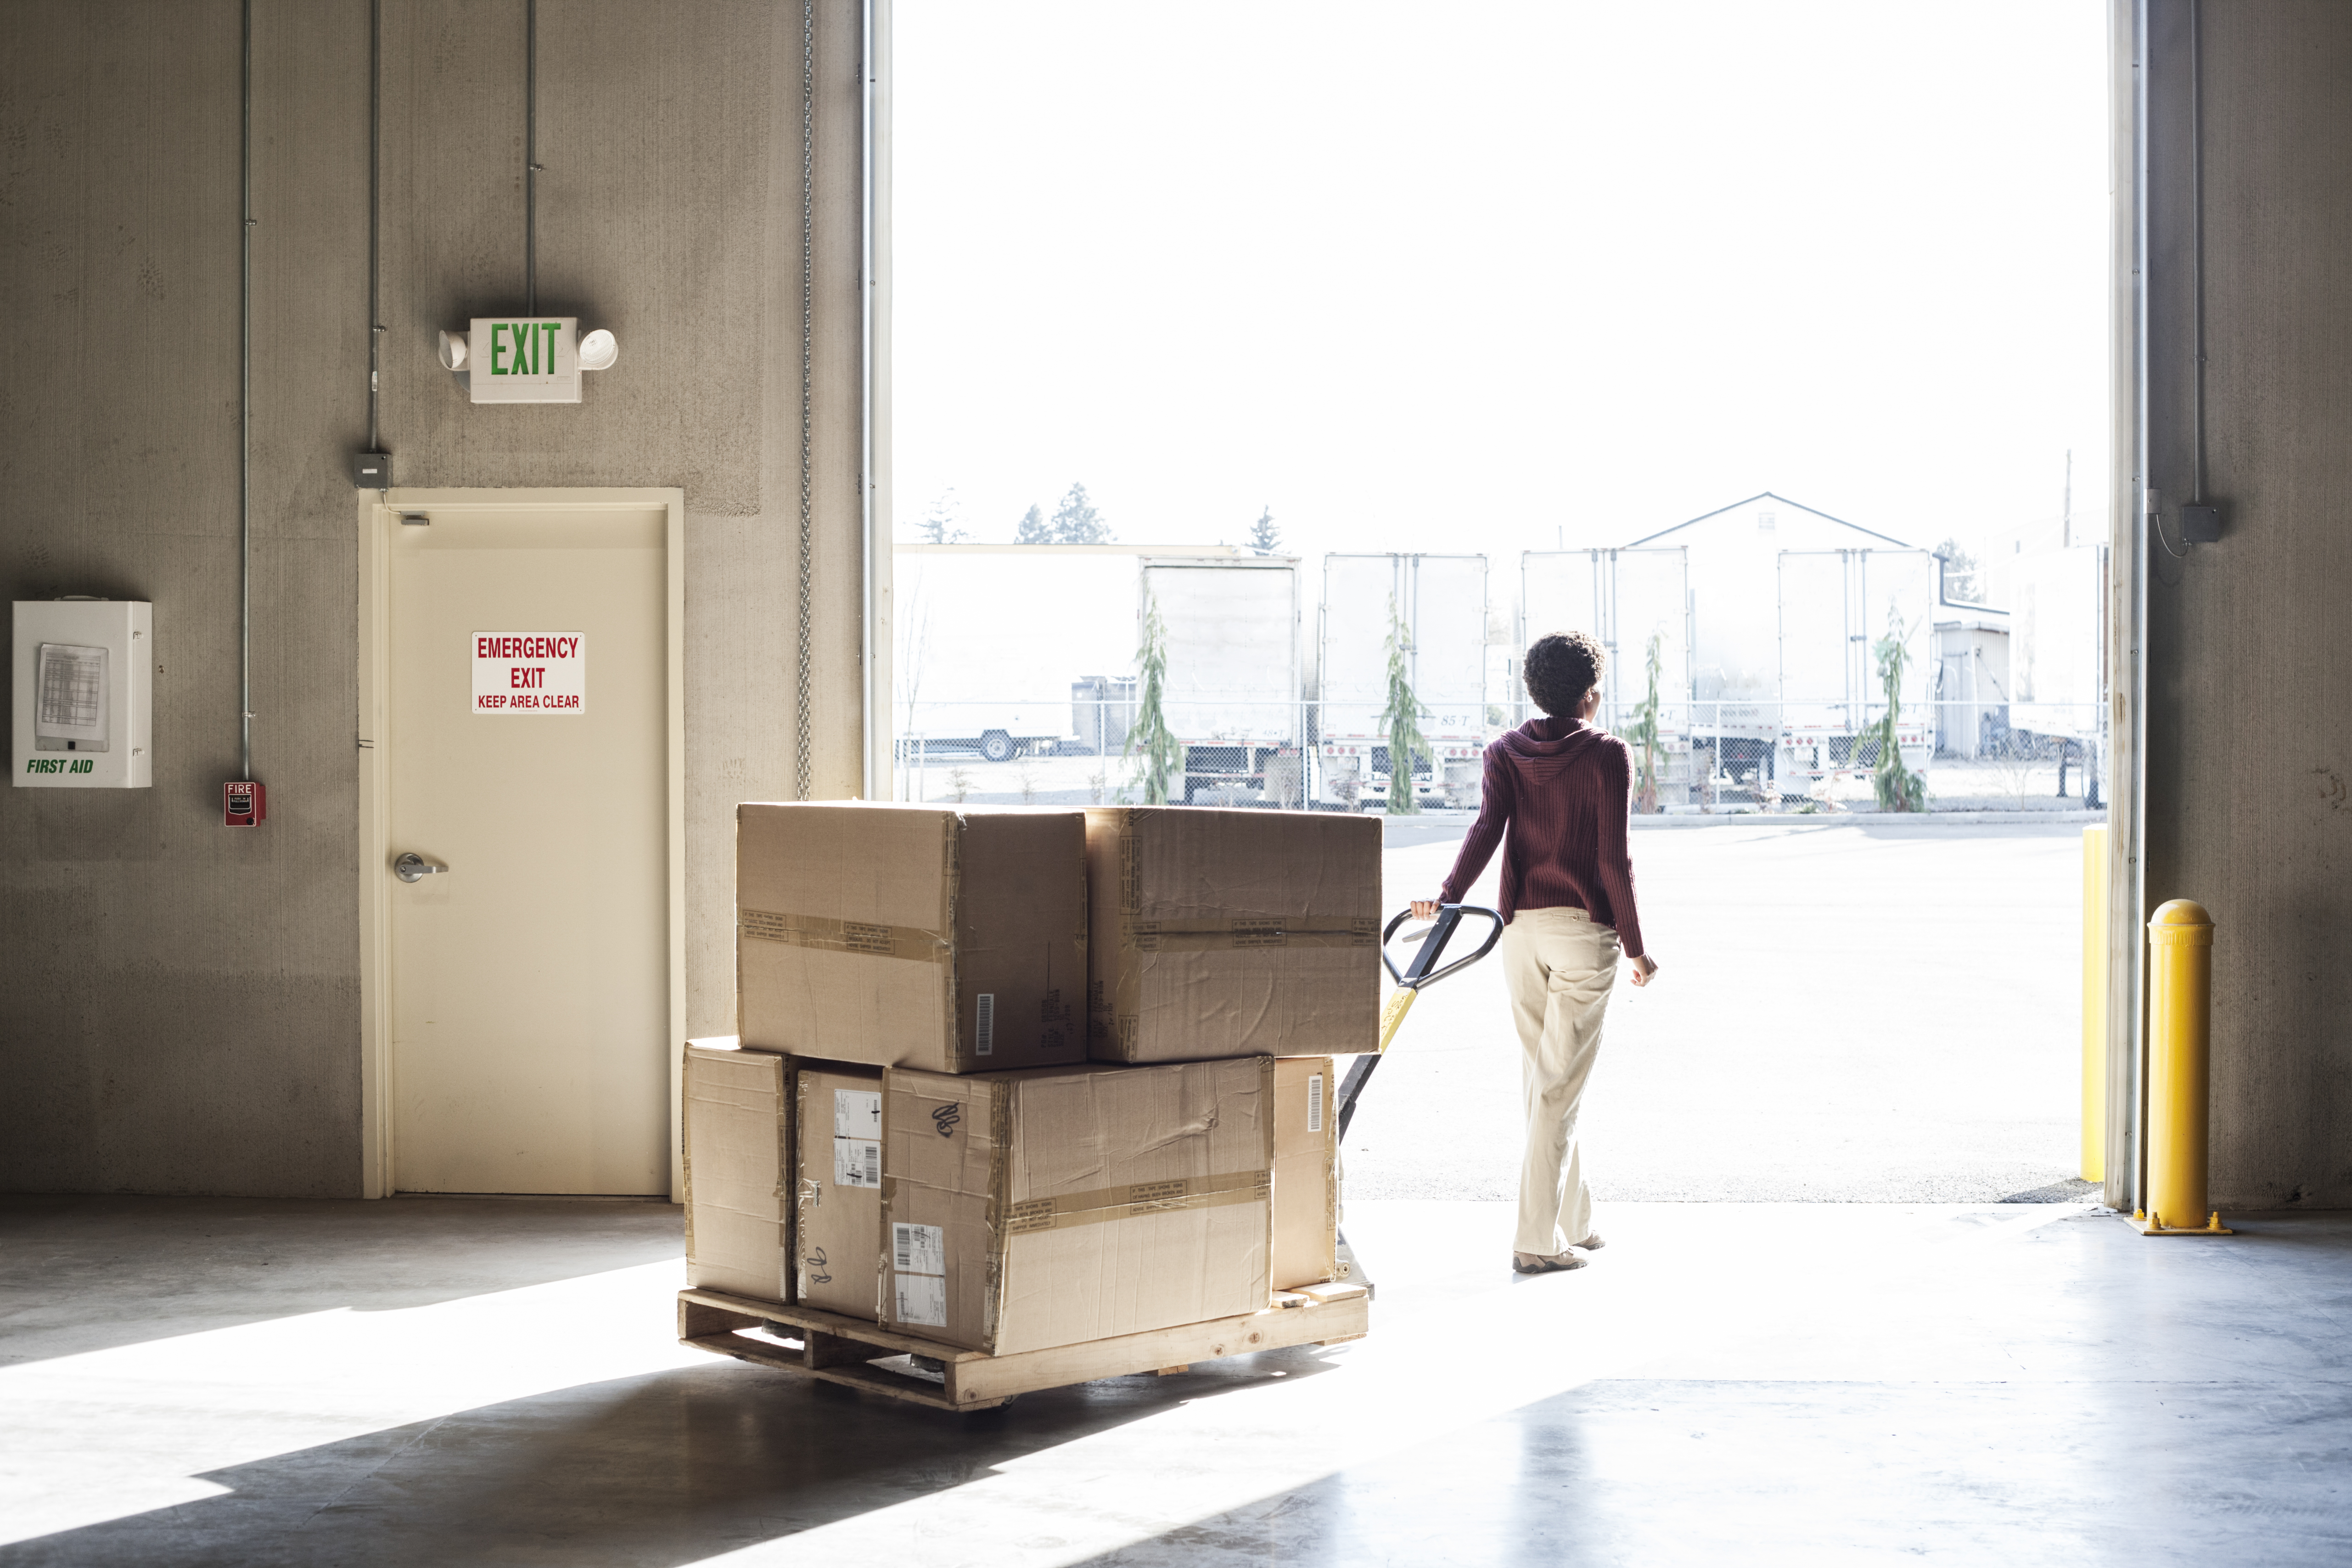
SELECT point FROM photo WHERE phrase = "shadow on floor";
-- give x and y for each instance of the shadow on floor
(2065, 1190)
(1708, 1473)
(152, 1268)
(669, 1468)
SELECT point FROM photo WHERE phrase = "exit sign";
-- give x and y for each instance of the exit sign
(524, 359)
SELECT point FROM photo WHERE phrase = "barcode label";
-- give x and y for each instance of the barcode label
(1314, 1103)
(857, 1162)
(919, 1248)
(856, 1113)
(984, 1025)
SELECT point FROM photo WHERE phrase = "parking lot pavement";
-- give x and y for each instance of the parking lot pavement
(1856, 1011)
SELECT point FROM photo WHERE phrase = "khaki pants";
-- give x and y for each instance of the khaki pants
(1560, 968)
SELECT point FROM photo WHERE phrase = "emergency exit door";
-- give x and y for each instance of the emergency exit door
(526, 771)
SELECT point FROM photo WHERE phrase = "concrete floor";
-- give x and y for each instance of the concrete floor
(1858, 1010)
(438, 1381)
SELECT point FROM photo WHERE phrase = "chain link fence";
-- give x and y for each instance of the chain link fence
(1711, 756)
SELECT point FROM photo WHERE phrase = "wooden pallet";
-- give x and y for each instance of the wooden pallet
(861, 1355)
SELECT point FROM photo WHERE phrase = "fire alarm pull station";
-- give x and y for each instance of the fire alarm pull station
(244, 803)
(82, 708)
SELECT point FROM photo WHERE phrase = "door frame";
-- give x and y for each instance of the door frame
(377, 510)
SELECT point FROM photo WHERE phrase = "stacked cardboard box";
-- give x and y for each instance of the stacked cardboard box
(737, 1153)
(1216, 933)
(911, 936)
(865, 1149)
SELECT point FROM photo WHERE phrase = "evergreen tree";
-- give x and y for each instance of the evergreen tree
(1897, 786)
(938, 525)
(1406, 746)
(1076, 521)
(1150, 742)
(1032, 529)
(1644, 736)
(1264, 537)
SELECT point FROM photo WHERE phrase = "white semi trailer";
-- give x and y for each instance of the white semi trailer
(1630, 600)
(1020, 649)
(1623, 599)
(2057, 652)
(2057, 662)
(1836, 607)
(1234, 677)
(1441, 602)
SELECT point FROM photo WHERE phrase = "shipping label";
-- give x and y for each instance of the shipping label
(923, 1298)
(857, 1162)
(858, 1113)
(857, 1137)
(918, 1249)
(918, 1264)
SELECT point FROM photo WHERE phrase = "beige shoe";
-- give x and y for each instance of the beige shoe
(1535, 1263)
(1592, 1243)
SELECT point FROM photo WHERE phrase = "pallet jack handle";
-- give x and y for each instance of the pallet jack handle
(1422, 969)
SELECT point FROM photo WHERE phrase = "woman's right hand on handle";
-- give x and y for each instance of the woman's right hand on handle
(1644, 967)
(1424, 908)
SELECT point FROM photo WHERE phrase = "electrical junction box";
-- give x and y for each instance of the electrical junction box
(82, 703)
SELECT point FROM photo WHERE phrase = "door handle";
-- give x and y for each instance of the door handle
(414, 867)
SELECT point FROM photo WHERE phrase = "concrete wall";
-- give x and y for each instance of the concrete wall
(182, 1006)
(2250, 688)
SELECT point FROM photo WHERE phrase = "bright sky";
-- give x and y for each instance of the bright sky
(1459, 279)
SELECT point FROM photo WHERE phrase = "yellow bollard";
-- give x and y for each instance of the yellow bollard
(2180, 992)
(2094, 1004)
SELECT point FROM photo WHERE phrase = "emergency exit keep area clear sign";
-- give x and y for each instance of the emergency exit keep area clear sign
(533, 673)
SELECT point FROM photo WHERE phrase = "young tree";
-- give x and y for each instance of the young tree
(1961, 583)
(1644, 734)
(1076, 521)
(1897, 786)
(1033, 529)
(1406, 744)
(1264, 537)
(1148, 741)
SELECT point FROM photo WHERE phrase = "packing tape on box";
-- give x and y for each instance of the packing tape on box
(1231, 935)
(1107, 1204)
(845, 936)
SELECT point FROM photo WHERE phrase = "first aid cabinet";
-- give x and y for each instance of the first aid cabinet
(82, 707)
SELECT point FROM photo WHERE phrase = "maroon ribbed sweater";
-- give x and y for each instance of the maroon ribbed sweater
(1565, 791)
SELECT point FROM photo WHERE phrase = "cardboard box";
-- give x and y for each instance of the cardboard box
(837, 1212)
(1231, 933)
(1306, 1172)
(738, 1149)
(1034, 1209)
(911, 935)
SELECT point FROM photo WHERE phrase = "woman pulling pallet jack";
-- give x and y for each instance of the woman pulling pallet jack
(1564, 790)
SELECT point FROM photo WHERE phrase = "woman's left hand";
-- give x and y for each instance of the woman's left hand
(1424, 908)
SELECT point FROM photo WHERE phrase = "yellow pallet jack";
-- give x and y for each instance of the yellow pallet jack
(1423, 969)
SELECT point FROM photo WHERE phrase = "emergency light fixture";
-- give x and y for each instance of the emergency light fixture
(527, 359)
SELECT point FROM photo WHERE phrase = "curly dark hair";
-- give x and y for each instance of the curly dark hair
(1561, 669)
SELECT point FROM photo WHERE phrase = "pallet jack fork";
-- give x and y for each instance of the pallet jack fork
(1422, 970)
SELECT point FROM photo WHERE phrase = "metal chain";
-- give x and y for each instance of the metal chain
(808, 292)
